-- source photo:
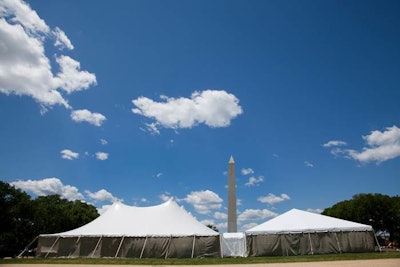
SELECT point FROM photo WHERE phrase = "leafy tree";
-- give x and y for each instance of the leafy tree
(213, 227)
(382, 212)
(16, 216)
(22, 219)
(54, 214)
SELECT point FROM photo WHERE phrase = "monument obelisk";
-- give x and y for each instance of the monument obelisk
(232, 223)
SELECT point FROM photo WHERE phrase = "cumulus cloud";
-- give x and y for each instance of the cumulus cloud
(254, 181)
(71, 78)
(215, 108)
(247, 171)
(62, 40)
(85, 115)
(272, 199)
(103, 142)
(68, 154)
(256, 214)
(309, 164)
(220, 215)
(381, 146)
(318, 211)
(334, 143)
(49, 186)
(101, 155)
(204, 201)
(25, 69)
(166, 196)
(101, 195)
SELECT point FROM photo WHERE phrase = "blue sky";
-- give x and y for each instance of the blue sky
(145, 100)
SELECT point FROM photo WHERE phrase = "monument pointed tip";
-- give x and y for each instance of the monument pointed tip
(231, 160)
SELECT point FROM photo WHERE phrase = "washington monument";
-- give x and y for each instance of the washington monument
(232, 224)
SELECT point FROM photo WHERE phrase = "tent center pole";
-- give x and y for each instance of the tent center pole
(144, 245)
(119, 247)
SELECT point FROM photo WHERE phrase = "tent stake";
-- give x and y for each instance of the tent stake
(144, 245)
(119, 247)
(51, 248)
(97, 245)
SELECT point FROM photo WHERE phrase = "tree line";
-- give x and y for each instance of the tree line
(22, 219)
(382, 212)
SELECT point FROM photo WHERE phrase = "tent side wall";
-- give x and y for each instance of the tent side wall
(129, 247)
(310, 243)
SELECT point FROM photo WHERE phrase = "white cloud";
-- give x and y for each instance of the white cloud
(158, 175)
(166, 196)
(103, 142)
(25, 69)
(334, 143)
(318, 211)
(204, 201)
(247, 171)
(101, 155)
(49, 186)
(68, 154)
(208, 222)
(71, 78)
(211, 107)
(254, 181)
(103, 209)
(381, 146)
(85, 115)
(220, 215)
(221, 226)
(272, 199)
(255, 214)
(248, 226)
(309, 164)
(101, 195)
(62, 40)
(144, 200)
(21, 13)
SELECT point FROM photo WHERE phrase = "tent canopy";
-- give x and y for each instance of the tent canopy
(298, 221)
(165, 220)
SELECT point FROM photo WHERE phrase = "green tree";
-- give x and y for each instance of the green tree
(16, 216)
(213, 227)
(54, 214)
(22, 219)
(382, 212)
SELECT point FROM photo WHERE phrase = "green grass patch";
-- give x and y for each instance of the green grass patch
(207, 261)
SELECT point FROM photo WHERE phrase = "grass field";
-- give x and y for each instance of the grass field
(208, 261)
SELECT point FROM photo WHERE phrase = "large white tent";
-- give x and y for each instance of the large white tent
(298, 232)
(163, 231)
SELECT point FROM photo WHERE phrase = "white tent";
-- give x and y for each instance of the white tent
(298, 232)
(166, 230)
(233, 245)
